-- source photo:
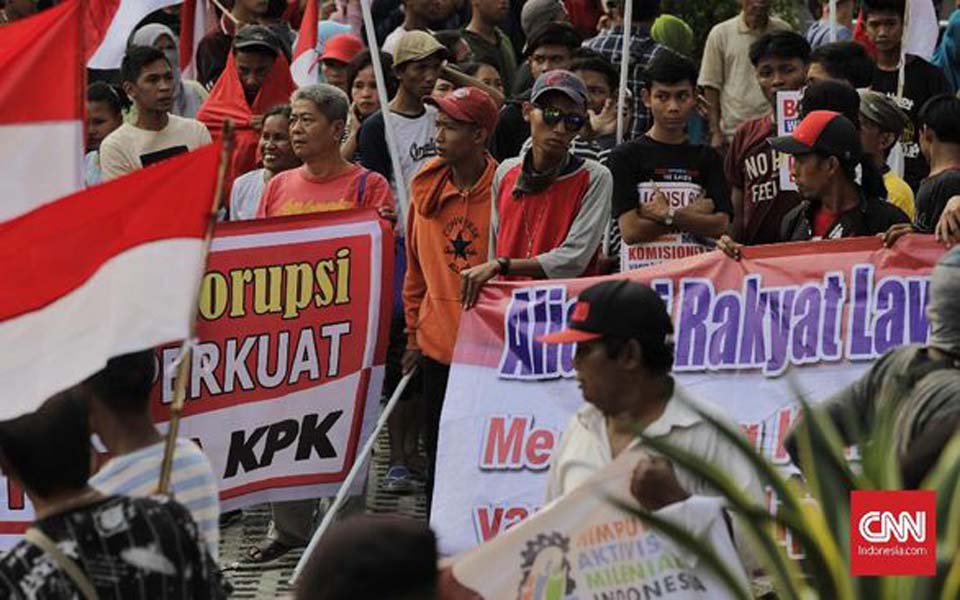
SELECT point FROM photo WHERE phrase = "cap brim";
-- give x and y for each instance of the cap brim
(569, 336)
(441, 52)
(580, 101)
(789, 145)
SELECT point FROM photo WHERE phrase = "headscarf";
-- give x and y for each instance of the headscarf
(186, 98)
(947, 56)
(673, 33)
(943, 310)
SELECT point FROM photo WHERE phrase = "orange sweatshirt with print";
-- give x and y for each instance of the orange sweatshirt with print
(448, 230)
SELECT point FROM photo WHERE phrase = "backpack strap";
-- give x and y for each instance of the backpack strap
(66, 564)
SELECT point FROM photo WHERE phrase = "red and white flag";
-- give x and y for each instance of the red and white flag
(115, 20)
(106, 271)
(197, 18)
(41, 109)
(305, 65)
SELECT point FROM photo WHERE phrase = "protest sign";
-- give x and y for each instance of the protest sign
(680, 193)
(822, 311)
(788, 117)
(285, 380)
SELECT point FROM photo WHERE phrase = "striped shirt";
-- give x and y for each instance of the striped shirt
(136, 474)
(819, 34)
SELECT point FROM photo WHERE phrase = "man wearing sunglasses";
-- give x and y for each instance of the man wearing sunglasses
(549, 207)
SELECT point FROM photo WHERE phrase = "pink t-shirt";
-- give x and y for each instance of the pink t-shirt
(295, 192)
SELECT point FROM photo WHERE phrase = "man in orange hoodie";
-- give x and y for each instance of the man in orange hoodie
(448, 230)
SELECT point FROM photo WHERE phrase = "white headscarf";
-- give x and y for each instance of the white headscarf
(186, 100)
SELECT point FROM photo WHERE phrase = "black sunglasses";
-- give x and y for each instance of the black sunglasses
(552, 116)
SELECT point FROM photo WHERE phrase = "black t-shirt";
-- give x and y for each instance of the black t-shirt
(511, 131)
(129, 548)
(933, 196)
(645, 160)
(921, 82)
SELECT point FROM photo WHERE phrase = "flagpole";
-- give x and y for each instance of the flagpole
(833, 21)
(186, 350)
(624, 69)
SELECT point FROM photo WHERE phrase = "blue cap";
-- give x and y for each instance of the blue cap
(561, 81)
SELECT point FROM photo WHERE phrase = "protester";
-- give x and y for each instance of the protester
(188, 94)
(921, 80)
(277, 156)
(105, 106)
(549, 207)
(602, 82)
(919, 383)
(673, 32)
(214, 47)
(881, 124)
(86, 544)
(940, 143)
(337, 54)
(947, 56)
(842, 61)
(752, 167)
(609, 45)
(488, 43)
(662, 162)
(552, 47)
(448, 230)
(442, 88)
(486, 73)
(623, 361)
(731, 89)
(364, 99)
(418, 15)
(118, 398)
(372, 556)
(156, 134)
(819, 32)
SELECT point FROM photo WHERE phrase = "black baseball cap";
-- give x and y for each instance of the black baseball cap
(618, 308)
(257, 36)
(824, 132)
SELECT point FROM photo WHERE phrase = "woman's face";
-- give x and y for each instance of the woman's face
(364, 92)
(488, 75)
(101, 121)
(164, 44)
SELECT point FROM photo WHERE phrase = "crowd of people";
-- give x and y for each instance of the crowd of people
(496, 156)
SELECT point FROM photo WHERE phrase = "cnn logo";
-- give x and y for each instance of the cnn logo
(880, 526)
(893, 532)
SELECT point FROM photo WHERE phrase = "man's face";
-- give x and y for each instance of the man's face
(442, 88)
(671, 104)
(816, 73)
(257, 7)
(780, 75)
(153, 89)
(275, 147)
(871, 137)
(311, 133)
(598, 90)
(100, 122)
(492, 11)
(455, 139)
(885, 29)
(812, 173)
(756, 7)
(547, 58)
(490, 76)
(418, 77)
(553, 138)
(431, 11)
(599, 376)
(335, 72)
(253, 68)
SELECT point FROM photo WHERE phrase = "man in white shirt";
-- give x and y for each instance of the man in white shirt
(156, 134)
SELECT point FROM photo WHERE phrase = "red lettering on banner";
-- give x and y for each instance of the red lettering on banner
(785, 418)
(752, 432)
(791, 108)
(512, 443)
(490, 521)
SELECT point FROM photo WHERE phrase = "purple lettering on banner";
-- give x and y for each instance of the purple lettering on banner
(664, 288)
(538, 329)
(723, 340)
(859, 340)
(555, 322)
(695, 300)
(754, 307)
(781, 311)
(917, 297)
(515, 362)
(833, 298)
(807, 326)
(891, 306)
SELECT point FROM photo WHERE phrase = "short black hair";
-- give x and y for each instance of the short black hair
(645, 10)
(553, 34)
(600, 65)
(106, 93)
(363, 60)
(49, 449)
(137, 59)
(831, 95)
(884, 6)
(845, 60)
(941, 114)
(780, 44)
(282, 110)
(471, 68)
(123, 386)
(670, 68)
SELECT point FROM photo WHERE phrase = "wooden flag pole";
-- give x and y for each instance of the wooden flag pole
(184, 358)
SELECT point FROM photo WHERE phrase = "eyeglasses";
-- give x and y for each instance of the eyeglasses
(573, 121)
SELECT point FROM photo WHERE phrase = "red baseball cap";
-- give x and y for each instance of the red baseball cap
(822, 131)
(468, 105)
(342, 48)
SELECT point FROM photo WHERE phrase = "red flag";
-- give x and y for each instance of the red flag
(197, 18)
(109, 24)
(860, 35)
(41, 109)
(102, 272)
(304, 67)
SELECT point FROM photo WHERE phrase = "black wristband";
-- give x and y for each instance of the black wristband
(504, 263)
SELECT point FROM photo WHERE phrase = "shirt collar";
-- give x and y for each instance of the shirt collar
(676, 415)
(742, 26)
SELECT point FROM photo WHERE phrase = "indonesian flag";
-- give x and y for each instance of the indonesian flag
(305, 58)
(860, 35)
(116, 20)
(197, 18)
(41, 110)
(109, 270)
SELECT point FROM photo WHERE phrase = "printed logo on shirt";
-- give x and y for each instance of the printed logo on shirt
(546, 568)
(462, 237)
(299, 207)
(679, 194)
(418, 152)
(893, 532)
(760, 186)
(154, 157)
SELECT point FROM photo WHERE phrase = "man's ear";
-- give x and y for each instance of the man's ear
(527, 107)
(887, 140)
(631, 355)
(339, 127)
(128, 88)
(645, 97)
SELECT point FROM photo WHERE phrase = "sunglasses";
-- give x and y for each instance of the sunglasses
(572, 121)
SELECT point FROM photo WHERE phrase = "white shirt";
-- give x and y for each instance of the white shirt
(129, 148)
(245, 195)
